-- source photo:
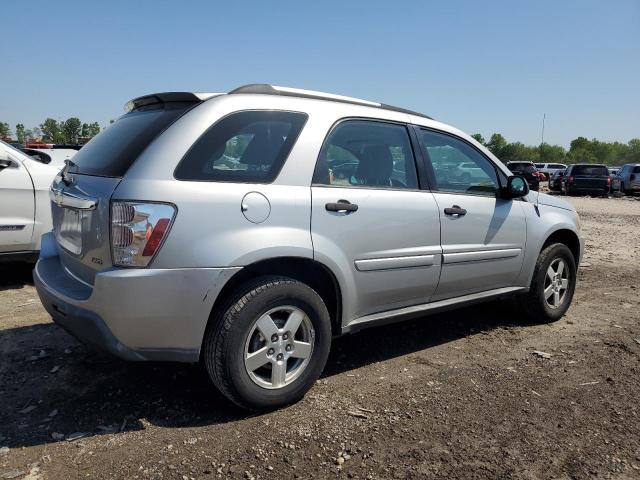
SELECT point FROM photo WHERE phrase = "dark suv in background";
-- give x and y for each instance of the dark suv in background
(587, 179)
(528, 170)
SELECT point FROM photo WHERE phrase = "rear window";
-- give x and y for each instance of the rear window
(636, 170)
(588, 170)
(246, 147)
(521, 167)
(113, 151)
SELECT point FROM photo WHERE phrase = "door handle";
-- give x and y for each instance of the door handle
(455, 210)
(5, 164)
(341, 206)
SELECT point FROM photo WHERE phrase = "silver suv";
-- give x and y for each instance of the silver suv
(246, 229)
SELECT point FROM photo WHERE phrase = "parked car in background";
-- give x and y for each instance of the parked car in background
(54, 155)
(587, 179)
(528, 171)
(25, 207)
(550, 168)
(555, 182)
(164, 249)
(541, 175)
(628, 179)
(468, 172)
(613, 171)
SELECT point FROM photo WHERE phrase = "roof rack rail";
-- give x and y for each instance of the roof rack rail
(266, 89)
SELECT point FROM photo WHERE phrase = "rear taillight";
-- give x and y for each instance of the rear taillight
(570, 180)
(608, 181)
(137, 231)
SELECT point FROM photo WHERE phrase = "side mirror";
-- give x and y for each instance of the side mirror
(516, 187)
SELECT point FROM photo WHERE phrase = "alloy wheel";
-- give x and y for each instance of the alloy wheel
(279, 347)
(556, 283)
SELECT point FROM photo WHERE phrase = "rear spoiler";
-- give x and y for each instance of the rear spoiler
(166, 97)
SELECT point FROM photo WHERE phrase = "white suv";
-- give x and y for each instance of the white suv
(25, 211)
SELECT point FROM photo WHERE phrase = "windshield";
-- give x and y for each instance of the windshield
(113, 151)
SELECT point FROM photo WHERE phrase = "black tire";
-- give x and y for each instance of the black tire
(226, 336)
(533, 304)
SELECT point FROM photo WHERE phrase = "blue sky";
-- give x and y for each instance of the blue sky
(483, 66)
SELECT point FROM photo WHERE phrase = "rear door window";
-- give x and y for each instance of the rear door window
(113, 151)
(367, 154)
(246, 147)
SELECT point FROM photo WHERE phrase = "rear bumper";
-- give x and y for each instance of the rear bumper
(135, 314)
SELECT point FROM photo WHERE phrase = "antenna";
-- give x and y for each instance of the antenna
(544, 117)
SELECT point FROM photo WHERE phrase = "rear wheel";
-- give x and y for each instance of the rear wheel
(269, 345)
(552, 285)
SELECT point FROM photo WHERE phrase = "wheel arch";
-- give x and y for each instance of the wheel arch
(311, 272)
(567, 237)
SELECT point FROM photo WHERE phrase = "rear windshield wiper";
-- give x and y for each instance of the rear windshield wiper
(64, 174)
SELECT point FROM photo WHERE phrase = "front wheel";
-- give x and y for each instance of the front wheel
(552, 285)
(269, 345)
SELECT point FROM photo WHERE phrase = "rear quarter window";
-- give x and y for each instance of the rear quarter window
(245, 147)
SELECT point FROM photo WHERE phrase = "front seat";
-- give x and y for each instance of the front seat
(375, 166)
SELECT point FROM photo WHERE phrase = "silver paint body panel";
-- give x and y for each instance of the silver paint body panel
(398, 255)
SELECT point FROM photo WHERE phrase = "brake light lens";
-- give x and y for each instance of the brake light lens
(608, 181)
(570, 179)
(137, 231)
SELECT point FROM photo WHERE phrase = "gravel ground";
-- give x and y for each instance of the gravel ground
(458, 395)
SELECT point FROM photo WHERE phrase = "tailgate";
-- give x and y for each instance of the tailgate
(590, 182)
(81, 223)
(81, 202)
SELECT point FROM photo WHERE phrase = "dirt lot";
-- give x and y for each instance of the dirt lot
(461, 395)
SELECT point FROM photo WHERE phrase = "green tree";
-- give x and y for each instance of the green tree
(71, 129)
(497, 144)
(93, 129)
(51, 131)
(20, 133)
(5, 131)
(551, 153)
(633, 152)
(478, 137)
(35, 134)
(519, 152)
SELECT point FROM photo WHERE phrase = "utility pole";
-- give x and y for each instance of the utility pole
(544, 116)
